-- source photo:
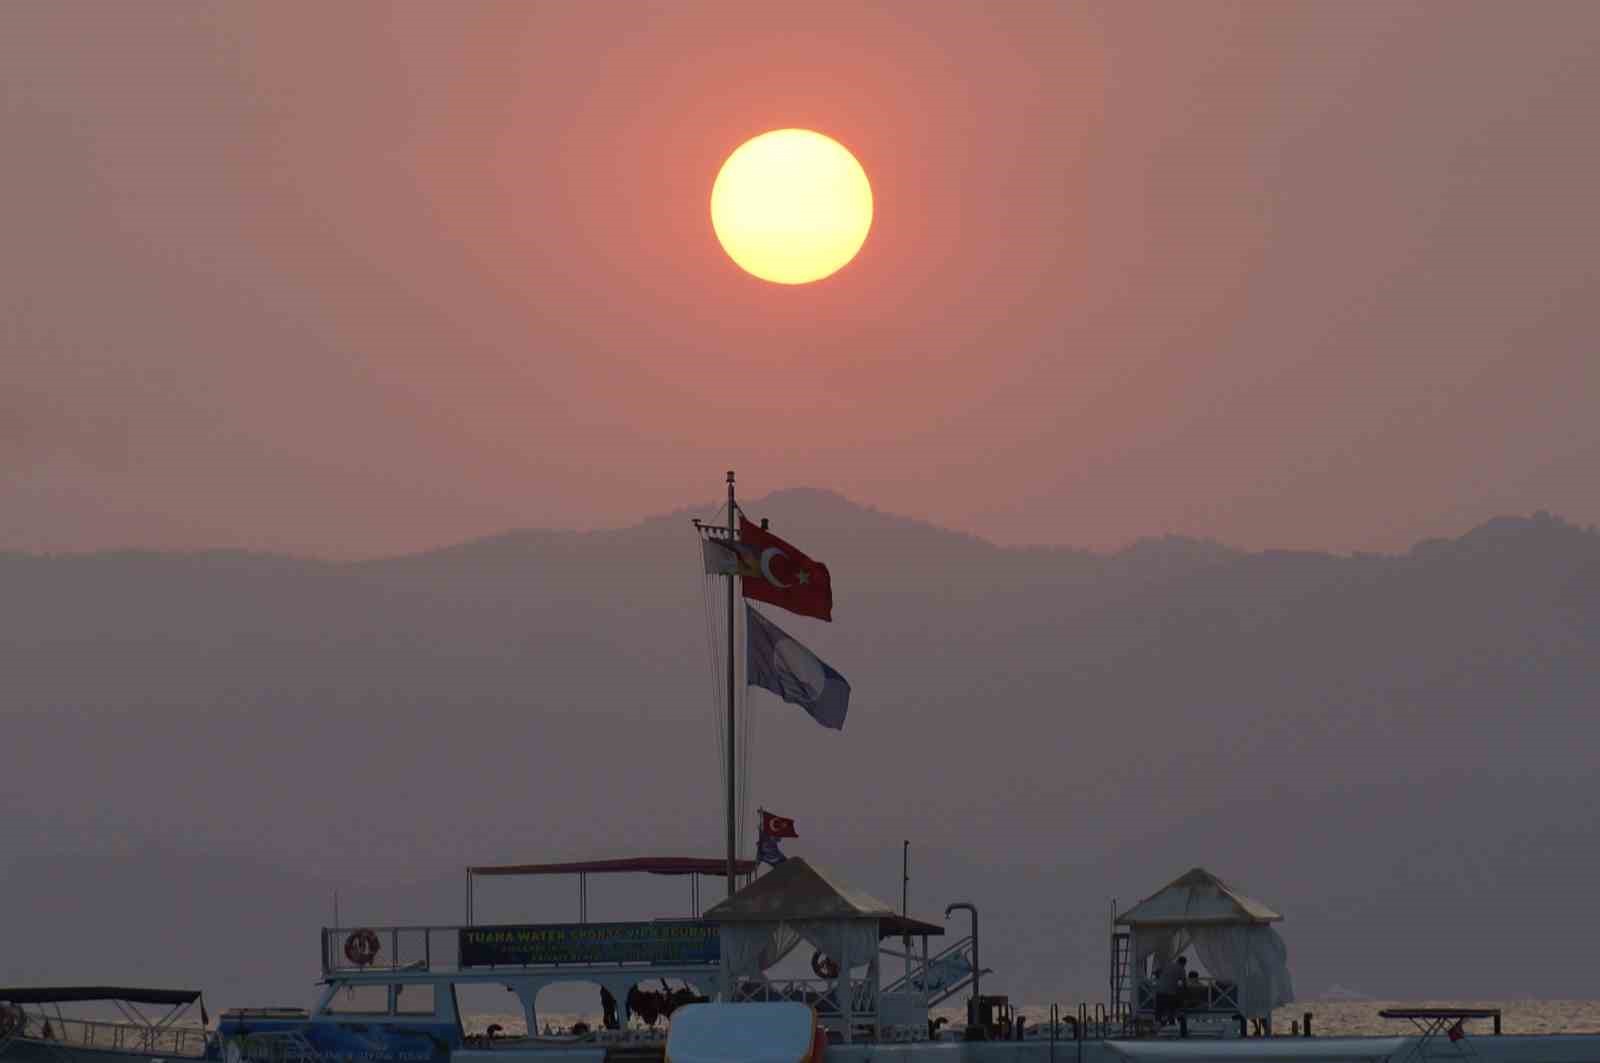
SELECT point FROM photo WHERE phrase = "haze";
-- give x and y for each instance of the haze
(200, 749)
(357, 280)
(1271, 327)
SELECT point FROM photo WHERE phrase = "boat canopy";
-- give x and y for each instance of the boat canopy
(651, 865)
(79, 994)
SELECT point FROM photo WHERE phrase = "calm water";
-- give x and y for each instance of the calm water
(1329, 1017)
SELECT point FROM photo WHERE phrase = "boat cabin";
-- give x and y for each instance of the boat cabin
(415, 994)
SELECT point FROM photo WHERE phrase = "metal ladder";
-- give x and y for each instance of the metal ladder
(943, 993)
(1121, 946)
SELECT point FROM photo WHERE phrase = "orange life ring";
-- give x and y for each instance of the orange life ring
(361, 947)
(824, 966)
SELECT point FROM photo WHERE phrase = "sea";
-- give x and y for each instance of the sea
(1329, 1018)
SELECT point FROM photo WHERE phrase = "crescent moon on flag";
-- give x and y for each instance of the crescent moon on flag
(766, 567)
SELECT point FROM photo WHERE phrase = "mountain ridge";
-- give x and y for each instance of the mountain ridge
(837, 509)
(1335, 732)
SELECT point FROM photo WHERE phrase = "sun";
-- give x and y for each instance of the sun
(791, 206)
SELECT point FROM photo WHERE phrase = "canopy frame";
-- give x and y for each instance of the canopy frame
(693, 866)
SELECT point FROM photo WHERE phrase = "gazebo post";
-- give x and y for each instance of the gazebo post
(873, 984)
(845, 994)
(926, 992)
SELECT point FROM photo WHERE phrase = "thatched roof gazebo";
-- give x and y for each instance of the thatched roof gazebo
(1230, 932)
(797, 901)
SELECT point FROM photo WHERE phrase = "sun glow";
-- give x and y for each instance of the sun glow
(791, 206)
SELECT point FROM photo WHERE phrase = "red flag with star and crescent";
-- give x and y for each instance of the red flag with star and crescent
(778, 574)
(777, 826)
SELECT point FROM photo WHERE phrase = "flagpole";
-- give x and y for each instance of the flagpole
(733, 842)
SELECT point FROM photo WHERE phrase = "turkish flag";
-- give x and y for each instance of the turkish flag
(777, 826)
(776, 573)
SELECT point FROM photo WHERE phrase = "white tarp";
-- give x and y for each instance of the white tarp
(742, 1033)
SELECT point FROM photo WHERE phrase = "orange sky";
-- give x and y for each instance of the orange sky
(361, 278)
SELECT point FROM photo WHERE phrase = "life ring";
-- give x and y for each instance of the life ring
(361, 947)
(824, 966)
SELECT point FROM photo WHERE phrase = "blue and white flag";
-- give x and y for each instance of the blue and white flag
(798, 676)
(767, 850)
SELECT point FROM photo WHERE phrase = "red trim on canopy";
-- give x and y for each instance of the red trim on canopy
(652, 865)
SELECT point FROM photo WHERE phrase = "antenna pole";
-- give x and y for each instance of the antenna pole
(905, 901)
(733, 841)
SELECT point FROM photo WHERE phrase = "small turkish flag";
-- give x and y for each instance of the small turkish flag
(776, 573)
(1456, 1032)
(777, 826)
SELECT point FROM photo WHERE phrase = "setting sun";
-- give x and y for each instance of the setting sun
(791, 206)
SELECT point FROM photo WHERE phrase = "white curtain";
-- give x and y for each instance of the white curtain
(1162, 942)
(1254, 958)
(750, 948)
(855, 938)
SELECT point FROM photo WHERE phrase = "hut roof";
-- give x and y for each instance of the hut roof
(1197, 897)
(797, 890)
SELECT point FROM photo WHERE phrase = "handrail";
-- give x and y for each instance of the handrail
(186, 1041)
(393, 954)
(918, 973)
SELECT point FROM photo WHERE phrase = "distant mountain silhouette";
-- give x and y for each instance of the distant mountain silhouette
(1391, 749)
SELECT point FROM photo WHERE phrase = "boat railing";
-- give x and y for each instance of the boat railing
(820, 993)
(186, 1041)
(275, 1046)
(372, 948)
(347, 950)
(1206, 995)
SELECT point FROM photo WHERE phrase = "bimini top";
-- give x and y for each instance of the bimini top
(78, 994)
(652, 865)
(1198, 898)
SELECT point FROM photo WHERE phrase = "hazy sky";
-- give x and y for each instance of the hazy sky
(358, 278)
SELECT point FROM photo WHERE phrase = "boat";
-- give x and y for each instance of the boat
(35, 1029)
(392, 994)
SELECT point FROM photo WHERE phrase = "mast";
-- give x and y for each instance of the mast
(733, 841)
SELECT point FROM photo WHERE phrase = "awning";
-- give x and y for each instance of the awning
(79, 994)
(650, 865)
(895, 926)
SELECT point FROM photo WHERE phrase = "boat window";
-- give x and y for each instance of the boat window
(365, 999)
(480, 1005)
(414, 999)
